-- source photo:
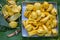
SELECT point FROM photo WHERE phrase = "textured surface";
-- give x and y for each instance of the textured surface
(47, 38)
(24, 32)
(6, 31)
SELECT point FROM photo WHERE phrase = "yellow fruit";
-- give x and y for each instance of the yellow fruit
(29, 7)
(10, 0)
(37, 6)
(13, 24)
(14, 17)
(41, 34)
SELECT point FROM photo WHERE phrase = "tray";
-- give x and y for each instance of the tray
(24, 32)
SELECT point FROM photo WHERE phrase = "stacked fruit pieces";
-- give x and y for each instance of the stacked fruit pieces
(11, 12)
(42, 19)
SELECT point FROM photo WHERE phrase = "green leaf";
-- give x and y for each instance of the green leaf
(15, 17)
(4, 31)
(3, 35)
(3, 22)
